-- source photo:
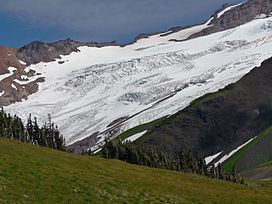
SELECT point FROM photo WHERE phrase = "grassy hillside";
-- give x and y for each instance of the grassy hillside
(30, 174)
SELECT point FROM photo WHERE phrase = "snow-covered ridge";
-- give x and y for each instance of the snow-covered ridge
(228, 9)
(161, 38)
(149, 79)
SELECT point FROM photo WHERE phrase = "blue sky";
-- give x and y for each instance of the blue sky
(23, 21)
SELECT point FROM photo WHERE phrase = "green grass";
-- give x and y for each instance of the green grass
(132, 131)
(30, 174)
(229, 164)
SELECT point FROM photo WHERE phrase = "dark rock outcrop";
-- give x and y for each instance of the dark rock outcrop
(32, 53)
(232, 18)
(38, 51)
(10, 89)
(237, 16)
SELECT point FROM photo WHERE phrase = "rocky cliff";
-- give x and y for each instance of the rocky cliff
(237, 15)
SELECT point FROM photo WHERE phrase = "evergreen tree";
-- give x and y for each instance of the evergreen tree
(153, 157)
(48, 135)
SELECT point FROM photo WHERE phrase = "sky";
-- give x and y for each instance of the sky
(23, 21)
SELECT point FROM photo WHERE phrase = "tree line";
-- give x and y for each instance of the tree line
(142, 154)
(147, 155)
(48, 135)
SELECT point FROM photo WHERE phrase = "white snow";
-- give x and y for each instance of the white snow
(2, 93)
(211, 158)
(135, 137)
(225, 157)
(11, 72)
(23, 63)
(262, 15)
(96, 151)
(227, 9)
(24, 77)
(160, 39)
(13, 86)
(12, 69)
(26, 70)
(97, 86)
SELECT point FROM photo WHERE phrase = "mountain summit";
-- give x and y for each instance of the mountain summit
(233, 16)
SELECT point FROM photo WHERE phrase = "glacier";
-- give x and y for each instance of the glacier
(96, 88)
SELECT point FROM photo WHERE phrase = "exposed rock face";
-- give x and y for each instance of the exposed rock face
(237, 16)
(11, 69)
(8, 59)
(33, 53)
(38, 51)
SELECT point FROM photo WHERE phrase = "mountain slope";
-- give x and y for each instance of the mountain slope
(253, 155)
(11, 71)
(235, 15)
(104, 91)
(220, 121)
(32, 174)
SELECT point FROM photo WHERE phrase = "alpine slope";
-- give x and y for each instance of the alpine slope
(103, 91)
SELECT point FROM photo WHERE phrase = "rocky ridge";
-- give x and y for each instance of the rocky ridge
(237, 15)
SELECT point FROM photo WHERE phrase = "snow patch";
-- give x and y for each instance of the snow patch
(11, 72)
(26, 70)
(12, 69)
(21, 62)
(13, 86)
(135, 136)
(211, 158)
(262, 15)
(209, 21)
(228, 9)
(2, 93)
(96, 151)
(225, 157)
(24, 77)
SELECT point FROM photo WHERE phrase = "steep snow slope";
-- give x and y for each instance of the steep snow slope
(96, 88)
